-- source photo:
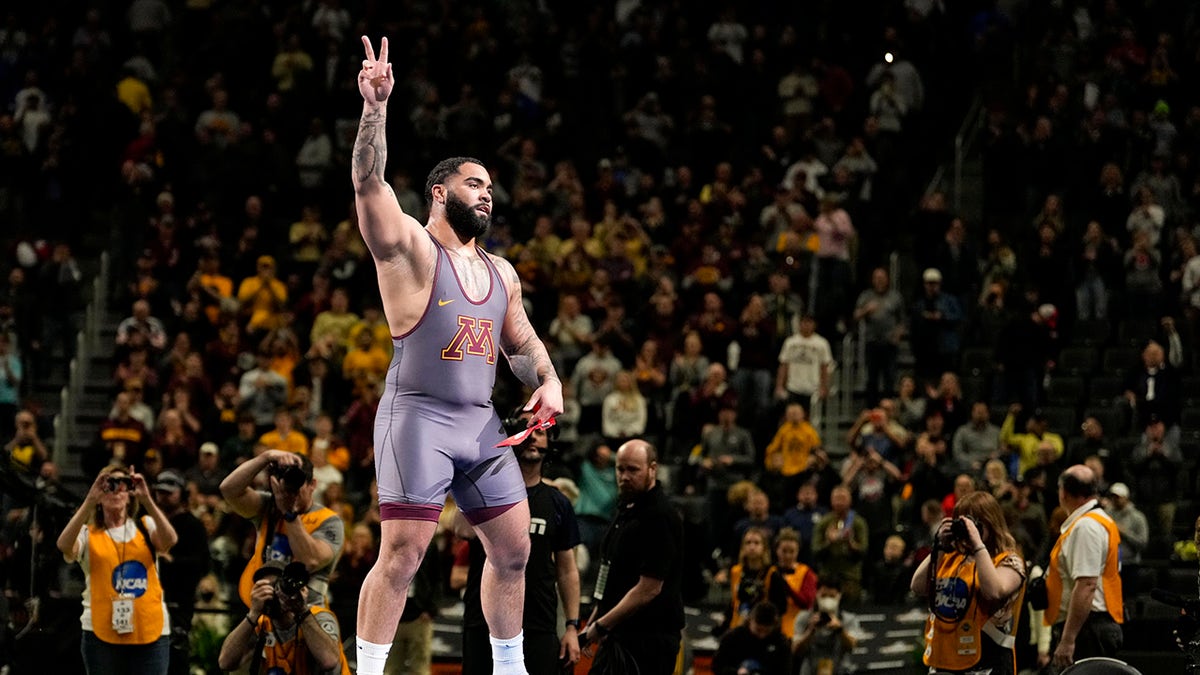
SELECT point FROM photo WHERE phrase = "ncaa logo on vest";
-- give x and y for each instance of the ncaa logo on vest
(130, 578)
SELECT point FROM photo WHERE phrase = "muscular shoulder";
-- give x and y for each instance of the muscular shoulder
(507, 272)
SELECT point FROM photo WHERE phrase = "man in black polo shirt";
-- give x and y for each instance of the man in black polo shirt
(638, 611)
(550, 574)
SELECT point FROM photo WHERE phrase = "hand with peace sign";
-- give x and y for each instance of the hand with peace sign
(375, 80)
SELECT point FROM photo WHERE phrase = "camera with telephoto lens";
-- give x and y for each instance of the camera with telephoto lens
(116, 481)
(958, 532)
(289, 587)
(292, 477)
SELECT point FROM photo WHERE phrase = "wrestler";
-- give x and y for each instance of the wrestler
(451, 307)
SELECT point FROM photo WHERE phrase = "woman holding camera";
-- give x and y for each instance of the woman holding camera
(976, 579)
(125, 624)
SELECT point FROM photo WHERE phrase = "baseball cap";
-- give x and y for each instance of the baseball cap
(1120, 490)
(932, 275)
(266, 260)
(170, 480)
(269, 567)
(209, 448)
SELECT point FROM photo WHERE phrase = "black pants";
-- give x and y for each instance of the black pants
(640, 654)
(1099, 636)
(541, 652)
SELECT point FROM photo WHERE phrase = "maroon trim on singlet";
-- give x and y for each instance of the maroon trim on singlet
(394, 511)
(480, 516)
(437, 266)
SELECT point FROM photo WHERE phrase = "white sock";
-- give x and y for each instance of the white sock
(371, 657)
(508, 656)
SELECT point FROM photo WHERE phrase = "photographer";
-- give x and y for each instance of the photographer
(976, 581)
(125, 624)
(755, 647)
(282, 633)
(290, 525)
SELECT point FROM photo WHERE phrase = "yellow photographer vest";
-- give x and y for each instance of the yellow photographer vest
(291, 657)
(1110, 579)
(956, 627)
(311, 521)
(127, 570)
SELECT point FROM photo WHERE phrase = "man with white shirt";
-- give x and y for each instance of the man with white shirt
(1083, 582)
(804, 363)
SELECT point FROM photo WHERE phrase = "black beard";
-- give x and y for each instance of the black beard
(466, 221)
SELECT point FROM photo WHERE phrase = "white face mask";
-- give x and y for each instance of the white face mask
(827, 605)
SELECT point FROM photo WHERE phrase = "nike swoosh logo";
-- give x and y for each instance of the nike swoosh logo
(443, 303)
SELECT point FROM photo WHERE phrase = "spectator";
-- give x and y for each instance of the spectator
(123, 438)
(936, 320)
(757, 515)
(881, 311)
(1153, 389)
(873, 482)
(787, 455)
(207, 473)
(825, 635)
(624, 412)
(910, 405)
(176, 445)
(977, 441)
(840, 546)
(726, 453)
(593, 380)
(1026, 444)
(803, 517)
(946, 401)
(1131, 523)
(182, 571)
(366, 363)
(1154, 469)
(335, 324)
(1025, 351)
(262, 391)
(155, 336)
(262, 297)
(876, 429)
(1095, 272)
(10, 384)
(24, 451)
(804, 365)
(284, 437)
(1143, 277)
(891, 574)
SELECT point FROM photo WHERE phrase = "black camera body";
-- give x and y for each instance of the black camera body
(959, 532)
(289, 587)
(292, 477)
(116, 481)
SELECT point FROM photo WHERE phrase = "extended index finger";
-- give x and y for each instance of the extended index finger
(383, 50)
(370, 50)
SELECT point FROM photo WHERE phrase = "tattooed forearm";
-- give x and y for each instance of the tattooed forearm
(370, 147)
(528, 358)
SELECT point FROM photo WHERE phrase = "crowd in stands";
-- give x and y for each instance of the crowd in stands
(700, 205)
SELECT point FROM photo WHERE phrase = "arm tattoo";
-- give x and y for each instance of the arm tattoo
(527, 356)
(370, 147)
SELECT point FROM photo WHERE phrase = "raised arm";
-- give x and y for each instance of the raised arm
(526, 354)
(387, 230)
